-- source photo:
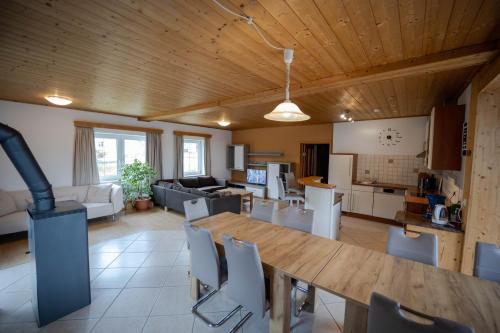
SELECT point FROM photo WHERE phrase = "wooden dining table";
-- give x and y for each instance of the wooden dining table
(353, 273)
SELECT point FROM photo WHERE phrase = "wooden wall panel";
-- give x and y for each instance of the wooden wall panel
(483, 216)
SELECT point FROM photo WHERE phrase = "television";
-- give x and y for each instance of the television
(256, 176)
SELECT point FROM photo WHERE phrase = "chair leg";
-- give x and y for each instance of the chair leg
(209, 323)
(240, 323)
(297, 309)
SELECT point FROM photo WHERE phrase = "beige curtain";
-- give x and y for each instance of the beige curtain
(153, 152)
(179, 157)
(208, 167)
(84, 161)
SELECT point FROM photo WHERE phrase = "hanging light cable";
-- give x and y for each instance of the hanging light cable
(287, 110)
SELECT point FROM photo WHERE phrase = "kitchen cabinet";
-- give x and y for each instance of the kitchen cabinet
(362, 200)
(445, 137)
(386, 205)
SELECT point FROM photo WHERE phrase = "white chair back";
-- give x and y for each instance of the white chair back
(195, 209)
(262, 210)
(423, 248)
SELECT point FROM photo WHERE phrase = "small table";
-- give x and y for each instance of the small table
(245, 195)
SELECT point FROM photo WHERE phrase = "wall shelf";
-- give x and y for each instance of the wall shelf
(264, 153)
(257, 164)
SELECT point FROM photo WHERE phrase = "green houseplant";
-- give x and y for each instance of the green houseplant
(136, 182)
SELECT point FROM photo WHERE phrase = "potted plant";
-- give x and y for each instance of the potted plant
(136, 182)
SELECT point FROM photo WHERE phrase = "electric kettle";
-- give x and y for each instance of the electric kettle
(440, 214)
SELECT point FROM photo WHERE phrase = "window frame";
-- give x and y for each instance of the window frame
(120, 137)
(201, 157)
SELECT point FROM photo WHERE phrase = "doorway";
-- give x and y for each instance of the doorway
(314, 159)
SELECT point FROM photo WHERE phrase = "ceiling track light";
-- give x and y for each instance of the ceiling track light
(287, 110)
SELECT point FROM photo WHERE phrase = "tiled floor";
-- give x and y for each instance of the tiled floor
(140, 284)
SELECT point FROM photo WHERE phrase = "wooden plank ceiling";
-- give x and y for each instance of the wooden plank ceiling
(176, 60)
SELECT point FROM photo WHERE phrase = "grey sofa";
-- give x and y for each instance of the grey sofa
(171, 195)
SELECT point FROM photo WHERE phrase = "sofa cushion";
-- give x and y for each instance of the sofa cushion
(7, 204)
(189, 182)
(165, 184)
(99, 193)
(79, 193)
(198, 192)
(98, 209)
(14, 222)
(177, 187)
(214, 195)
(207, 181)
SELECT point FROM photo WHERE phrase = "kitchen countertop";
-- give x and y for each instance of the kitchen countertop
(404, 217)
(388, 185)
(314, 181)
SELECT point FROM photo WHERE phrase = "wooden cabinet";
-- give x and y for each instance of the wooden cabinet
(449, 246)
(445, 138)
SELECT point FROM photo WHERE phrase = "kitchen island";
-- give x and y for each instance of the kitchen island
(322, 199)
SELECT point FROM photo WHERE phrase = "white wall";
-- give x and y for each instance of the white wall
(361, 137)
(49, 132)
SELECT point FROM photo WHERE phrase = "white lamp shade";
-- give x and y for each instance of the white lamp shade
(287, 111)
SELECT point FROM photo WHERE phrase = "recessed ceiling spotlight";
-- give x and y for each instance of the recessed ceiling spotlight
(349, 119)
(58, 100)
(343, 115)
(224, 123)
(376, 110)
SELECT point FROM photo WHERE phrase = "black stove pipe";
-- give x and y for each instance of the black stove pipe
(21, 156)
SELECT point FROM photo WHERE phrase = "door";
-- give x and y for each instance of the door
(314, 160)
(387, 205)
(273, 171)
(362, 202)
(340, 170)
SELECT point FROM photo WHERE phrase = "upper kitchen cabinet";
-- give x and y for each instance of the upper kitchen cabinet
(445, 137)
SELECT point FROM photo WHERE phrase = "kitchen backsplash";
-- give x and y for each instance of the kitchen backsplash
(394, 169)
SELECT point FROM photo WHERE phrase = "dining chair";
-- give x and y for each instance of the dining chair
(487, 262)
(385, 316)
(298, 218)
(262, 210)
(282, 195)
(206, 267)
(291, 184)
(423, 248)
(245, 284)
(195, 209)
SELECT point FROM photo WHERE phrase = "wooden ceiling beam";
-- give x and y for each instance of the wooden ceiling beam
(444, 61)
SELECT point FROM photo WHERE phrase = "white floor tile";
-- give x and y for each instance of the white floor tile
(160, 259)
(101, 260)
(101, 300)
(94, 272)
(23, 314)
(73, 326)
(149, 277)
(337, 310)
(12, 274)
(178, 276)
(135, 302)
(169, 324)
(153, 235)
(329, 298)
(218, 303)
(318, 322)
(10, 303)
(141, 246)
(129, 260)
(113, 246)
(120, 325)
(184, 258)
(23, 284)
(113, 278)
(20, 328)
(169, 245)
(173, 300)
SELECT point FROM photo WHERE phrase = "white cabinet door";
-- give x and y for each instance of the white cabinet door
(362, 202)
(346, 199)
(273, 171)
(386, 205)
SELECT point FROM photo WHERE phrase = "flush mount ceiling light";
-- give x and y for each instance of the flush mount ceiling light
(376, 110)
(287, 110)
(224, 123)
(58, 100)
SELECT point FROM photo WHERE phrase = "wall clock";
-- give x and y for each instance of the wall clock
(389, 137)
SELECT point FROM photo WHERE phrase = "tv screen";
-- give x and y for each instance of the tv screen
(256, 176)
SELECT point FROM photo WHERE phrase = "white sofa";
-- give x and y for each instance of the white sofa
(16, 221)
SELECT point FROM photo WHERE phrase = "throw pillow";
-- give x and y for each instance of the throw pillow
(207, 181)
(165, 184)
(198, 192)
(214, 195)
(177, 187)
(99, 193)
(7, 204)
(189, 182)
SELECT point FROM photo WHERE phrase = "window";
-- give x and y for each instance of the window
(115, 149)
(194, 156)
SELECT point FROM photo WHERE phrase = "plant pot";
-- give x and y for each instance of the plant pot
(142, 204)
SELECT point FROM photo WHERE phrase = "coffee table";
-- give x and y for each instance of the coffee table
(245, 195)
